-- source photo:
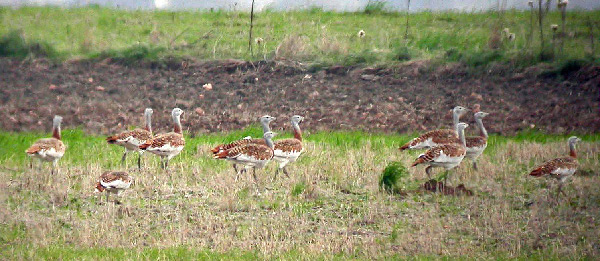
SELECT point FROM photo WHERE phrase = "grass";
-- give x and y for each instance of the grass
(331, 207)
(311, 36)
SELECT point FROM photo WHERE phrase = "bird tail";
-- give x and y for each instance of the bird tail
(538, 172)
(112, 139)
(220, 155)
(419, 160)
(145, 145)
(217, 149)
(405, 146)
(33, 150)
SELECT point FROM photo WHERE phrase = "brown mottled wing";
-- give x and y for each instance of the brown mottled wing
(46, 144)
(549, 167)
(259, 152)
(108, 177)
(443, 136)
(139, 134)
(237, 143)
(172, 138)
(430, 155)
(475, 141)
(288, 145)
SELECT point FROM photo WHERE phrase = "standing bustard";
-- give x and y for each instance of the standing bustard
(438, 137)
(288, 150)
(250, 155)
(264, 122)
(477, 144)
(447, 156)
(560, 168)
(131, 140)
(167, 145)
(49, 149)
(113, 182)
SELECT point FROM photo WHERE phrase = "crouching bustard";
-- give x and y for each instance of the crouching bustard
(49, 149)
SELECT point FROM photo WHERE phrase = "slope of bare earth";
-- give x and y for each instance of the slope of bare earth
(104, 96)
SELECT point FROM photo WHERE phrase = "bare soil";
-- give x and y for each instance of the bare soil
(105, 96)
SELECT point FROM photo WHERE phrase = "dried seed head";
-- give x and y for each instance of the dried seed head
(259, 41)
(554, 27)
(361, 33)
(506, 31)
(562, 3)
(530, 3)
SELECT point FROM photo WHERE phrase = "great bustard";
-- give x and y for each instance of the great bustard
(167, 145)
(49, 149)
(477, 144)
(438, 137)
(560, 168)
(288, 150)
(113, 182)
(447, 156)
(250, 155)
(264, 122)
(131, 140)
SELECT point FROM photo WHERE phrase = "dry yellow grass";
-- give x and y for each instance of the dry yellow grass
(330, 205)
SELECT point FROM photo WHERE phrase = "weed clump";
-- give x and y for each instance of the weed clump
(13, 44)
(391, 177)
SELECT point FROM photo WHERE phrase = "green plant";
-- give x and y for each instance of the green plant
(13, 44)
(375, 7)
(391, 177)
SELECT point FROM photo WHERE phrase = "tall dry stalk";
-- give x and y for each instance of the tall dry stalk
(563, 14)
(591, 28)
(531, 14)
(251, 25)
(541, 22)
(407, 20)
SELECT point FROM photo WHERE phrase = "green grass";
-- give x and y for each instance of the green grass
(313, 36)
(332, 206)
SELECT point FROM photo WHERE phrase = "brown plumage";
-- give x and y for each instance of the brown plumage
(264, 121)
(476, 141)
(559, 168)
(449, 150)
(250, 155)
(443, 136)
(257, 151)
(113, 182)
(236, 143)
(49, 149)
(288, 150)
(167, 145)
(437, 137)
(288, 145)
(477, 144)
(131, 140)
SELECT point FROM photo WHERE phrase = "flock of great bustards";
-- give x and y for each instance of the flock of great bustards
(446, 148)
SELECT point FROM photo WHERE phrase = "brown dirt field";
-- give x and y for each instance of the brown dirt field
(104, 96)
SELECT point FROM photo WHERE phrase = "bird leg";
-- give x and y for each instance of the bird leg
(124, 156)
(475, 165)
(276, 172)
(286, 172)
(31, 163)
(235, 168)
(428, 171)
(254, 174)
(139, 161)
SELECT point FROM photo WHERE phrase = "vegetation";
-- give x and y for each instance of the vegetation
(311, 36)
(331, 206)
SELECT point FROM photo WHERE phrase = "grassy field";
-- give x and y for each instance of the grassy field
(330, 208)
(311, 36)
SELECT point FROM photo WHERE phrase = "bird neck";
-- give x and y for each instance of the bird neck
(572, 151)
(483, 131)
(455, 119)
(265, 126)
(56, 131)
(269, 143)
(461, 136)
(149, 123)
(177, 124)
(297, 131)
